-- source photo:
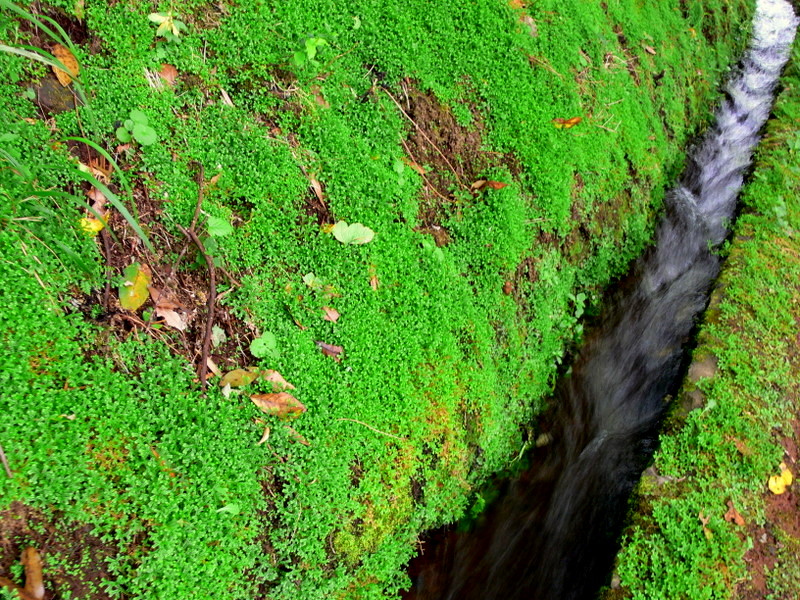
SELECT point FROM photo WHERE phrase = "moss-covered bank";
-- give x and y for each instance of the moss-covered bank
(276, 120)
(707, 524)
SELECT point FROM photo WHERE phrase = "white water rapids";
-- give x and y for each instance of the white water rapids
(554, 534)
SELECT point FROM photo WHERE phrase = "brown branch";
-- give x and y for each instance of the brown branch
(107, 247)
(212, 298)
(425, 179)
(200, 182)
(435, 147)
(5, 463)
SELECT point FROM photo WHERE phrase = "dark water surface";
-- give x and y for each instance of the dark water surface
(554, 533)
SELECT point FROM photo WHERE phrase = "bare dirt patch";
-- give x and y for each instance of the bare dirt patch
(74, 559)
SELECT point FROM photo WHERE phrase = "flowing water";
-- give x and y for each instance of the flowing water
(554, 533)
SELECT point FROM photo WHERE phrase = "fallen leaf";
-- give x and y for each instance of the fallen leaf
(279, 384)
(264, 436)
(100, 168)
(218, 335)
(212, 366)
(297, 437)
(416, 166)
(478, 185)
(214, 179)
(318, 97)
(496, 185)
(98, 199)
(331, 314)
(649, 49)
(786, 474)
(240, 377)
(68, 60)
(508, 287)
(355, 233)
(518, 4)
(373, 282)
(330, 350)
(162, 299)
(168, 73)
(281, 404)
(777, 485)
(172, 318)
(528, 21)
(225, 98)
(733, 516)
(566, 123)
(91, 225)
(313, 281)
(317, 187)
(133, 289)
(704, 521)
(265, 346)
(34, 584)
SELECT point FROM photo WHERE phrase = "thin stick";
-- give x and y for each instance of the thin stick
(107, 247)
(430, 185)
(5, 463)
(435, 147)
(371, 427)
(212, 298)
(200, 182)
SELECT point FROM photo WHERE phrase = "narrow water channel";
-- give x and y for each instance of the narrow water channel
(553, 535)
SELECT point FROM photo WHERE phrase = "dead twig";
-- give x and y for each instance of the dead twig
(424, 135)
(212, 298)
(5, 463)
(425, 179)
(397, 437)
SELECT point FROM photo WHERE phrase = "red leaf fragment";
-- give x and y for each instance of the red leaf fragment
(330, 350)
(331, 314)
(733, 516)
(168, 73)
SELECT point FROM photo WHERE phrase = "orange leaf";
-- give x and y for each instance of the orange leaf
(168, 73)
(331, 314)
(68, 60)
(416, 166)
(733, 516)
(567, 123)
(518, 4)
(496, 185)
(281, 405)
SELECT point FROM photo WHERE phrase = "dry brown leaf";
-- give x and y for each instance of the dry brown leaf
(331, 350)
(68, 60)
(649, 49)
(508, 287)
(518, 4)
(101, 169)
(225, 98)
(163, 299)
(297, 437)
(331, 314)
(317, 187)
(318, 97)
(172, 318)
(264, 436)
(567, 123)
(484, 183)
(373, 282)
(168, 73)
(279, 384)
(122, 148)
(214, 179)
(478, 185)
(98, 199)
(281, 404)
(496, 185)
(733, 516)
(212, 366)
(34, 581)
(704, 521)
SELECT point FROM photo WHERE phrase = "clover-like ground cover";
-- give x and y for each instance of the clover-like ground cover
(278, 120)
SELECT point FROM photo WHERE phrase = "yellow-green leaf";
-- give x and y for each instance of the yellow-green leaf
(133, 290)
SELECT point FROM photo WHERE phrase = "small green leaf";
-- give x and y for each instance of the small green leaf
(312, 281)
(232, 509)
(219, 227)
(123, 135)
(355, 233)
(159, 17)
(128, 124)
(144, 134)
(264, 346)
(133, 290)
(137, 116)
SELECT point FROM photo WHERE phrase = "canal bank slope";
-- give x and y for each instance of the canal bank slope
(713, 519)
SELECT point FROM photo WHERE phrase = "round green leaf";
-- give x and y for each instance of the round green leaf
(145, 134)
(355, 233)
(123, 135)
(264, 346)
(138, 116)
(219, 227)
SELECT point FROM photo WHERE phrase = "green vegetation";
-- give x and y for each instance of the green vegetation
(421, 354)
(715, 461)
